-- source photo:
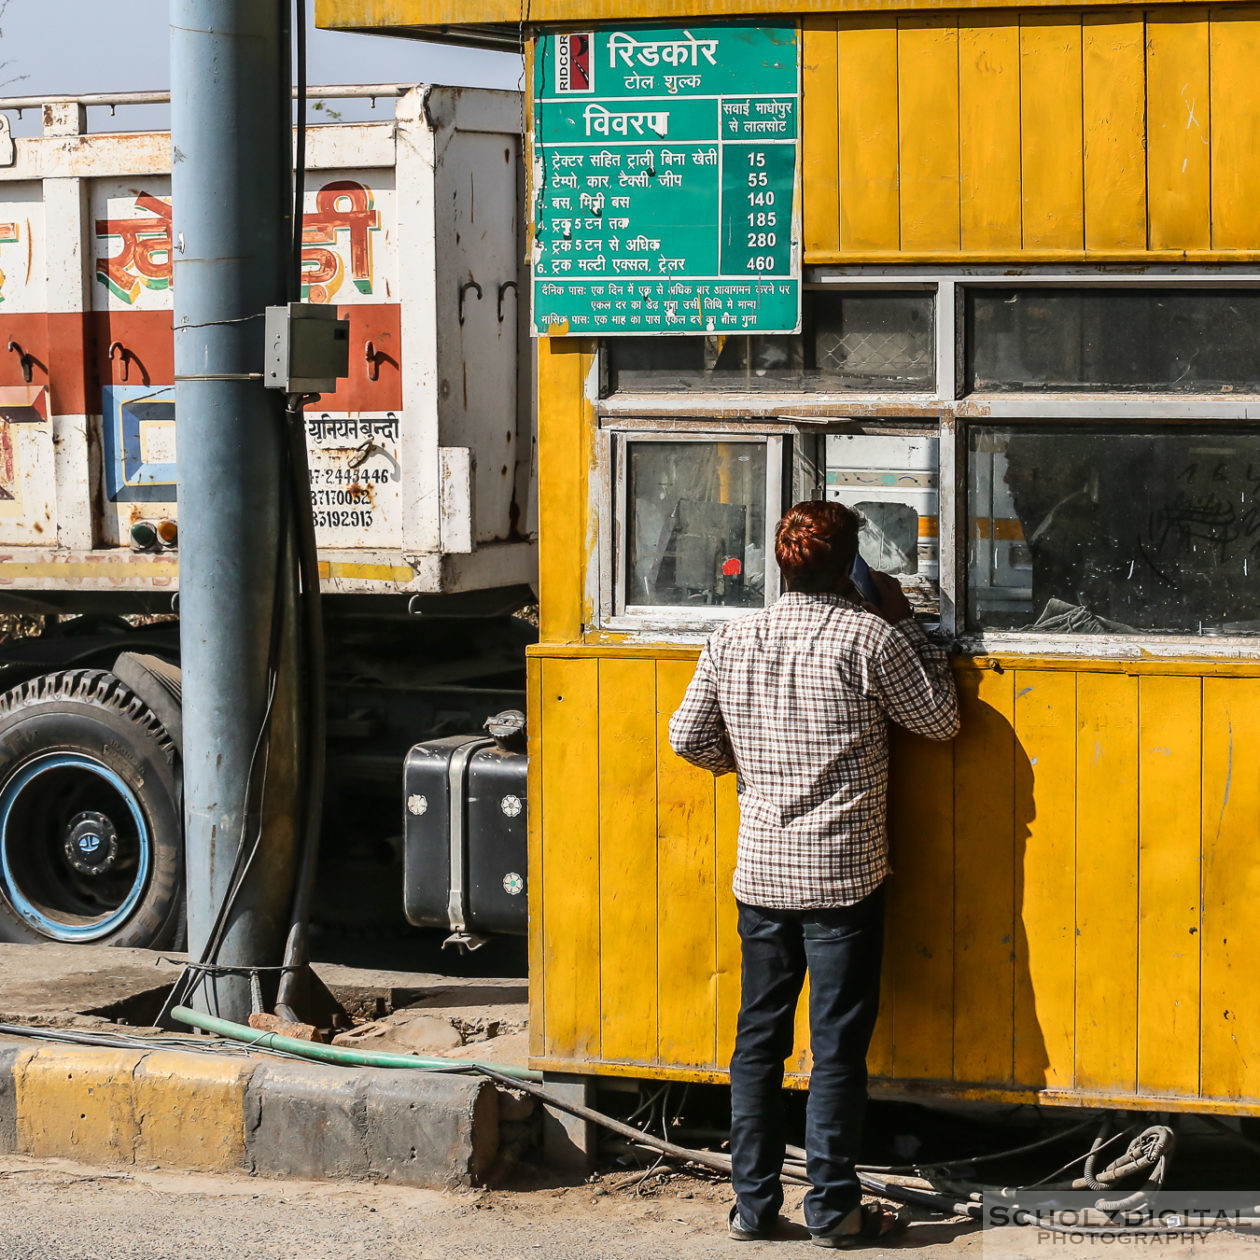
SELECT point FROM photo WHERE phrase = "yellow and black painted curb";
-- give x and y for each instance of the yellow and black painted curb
(209, 1112)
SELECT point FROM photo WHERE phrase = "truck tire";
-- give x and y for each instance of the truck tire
(91, 841)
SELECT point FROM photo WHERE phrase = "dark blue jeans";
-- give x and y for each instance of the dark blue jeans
(842, 949)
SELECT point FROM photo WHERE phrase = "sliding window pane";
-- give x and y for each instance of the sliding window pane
(869, 341)
(1091, 531)
(1149, 340)
(696, 525)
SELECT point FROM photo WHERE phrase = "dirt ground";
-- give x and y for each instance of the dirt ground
(60, 1211)
(53, 1210)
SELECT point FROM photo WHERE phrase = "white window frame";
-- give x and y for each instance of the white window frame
(615, 612)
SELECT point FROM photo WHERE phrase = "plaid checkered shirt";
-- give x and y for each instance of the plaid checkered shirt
(796, 700)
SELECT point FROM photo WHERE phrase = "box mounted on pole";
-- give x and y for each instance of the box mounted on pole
(308, 348)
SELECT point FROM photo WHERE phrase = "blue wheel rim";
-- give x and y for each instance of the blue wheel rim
(71, 927)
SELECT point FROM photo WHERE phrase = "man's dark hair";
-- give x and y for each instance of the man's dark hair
(815, 544)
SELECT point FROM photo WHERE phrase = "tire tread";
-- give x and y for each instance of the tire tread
(89, 686)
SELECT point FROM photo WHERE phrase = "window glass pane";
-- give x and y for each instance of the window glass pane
(892, 480)
(1164, 340)
(851, 341)
(696, 528)
(1086, 531)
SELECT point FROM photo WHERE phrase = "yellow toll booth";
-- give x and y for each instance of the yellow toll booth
(1027, 244)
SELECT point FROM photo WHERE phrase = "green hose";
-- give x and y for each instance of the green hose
(338, 1054)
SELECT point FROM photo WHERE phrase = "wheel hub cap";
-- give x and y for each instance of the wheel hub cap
(92, 843)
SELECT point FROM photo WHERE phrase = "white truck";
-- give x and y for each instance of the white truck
(422, 470)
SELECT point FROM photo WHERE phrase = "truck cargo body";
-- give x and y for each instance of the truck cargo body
(422, 490)
(421, 461)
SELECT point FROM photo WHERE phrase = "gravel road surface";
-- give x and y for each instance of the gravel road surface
(53, 1210)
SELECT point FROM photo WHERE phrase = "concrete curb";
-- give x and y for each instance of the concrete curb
(208, 1112)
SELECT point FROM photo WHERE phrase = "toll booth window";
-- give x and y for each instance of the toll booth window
(892, 480)
(695, 524)
(868, 341)
(1161, 340)
(1086, 531)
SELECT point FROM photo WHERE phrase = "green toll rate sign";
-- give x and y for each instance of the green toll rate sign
(666, 181)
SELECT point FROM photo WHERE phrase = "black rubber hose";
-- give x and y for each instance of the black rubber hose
(296, 954)
(1143, 1153)
(1149, 1152)
(1087, 1173)
(296, 951)
(988, 1158)
(299, 165)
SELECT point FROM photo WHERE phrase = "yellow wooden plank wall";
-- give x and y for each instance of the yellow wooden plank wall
(927, 132)
(1230, 1000)
(1048, 134)
(1234, 116)
(687, 889)
(628, 869)
(1178, 135)
(1106, 882)
(726, 808)
(1073, 904)
(1170, 788)
(983, 885)
(568, 913)
(919, 970)
(565, 449)
(537, 961)
(990, 214)
(1113, 96)
(866, 79)
(821, 145)
(1051, 131)
(1044, 819)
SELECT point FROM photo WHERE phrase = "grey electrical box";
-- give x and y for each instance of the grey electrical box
(308, 348)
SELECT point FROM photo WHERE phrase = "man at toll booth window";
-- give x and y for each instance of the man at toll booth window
(796, 700)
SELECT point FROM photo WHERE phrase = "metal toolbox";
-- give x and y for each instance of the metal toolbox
(465, 837)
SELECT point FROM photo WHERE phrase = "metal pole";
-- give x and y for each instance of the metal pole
(231, 192)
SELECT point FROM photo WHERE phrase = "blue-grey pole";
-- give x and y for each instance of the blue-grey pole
(231, 192)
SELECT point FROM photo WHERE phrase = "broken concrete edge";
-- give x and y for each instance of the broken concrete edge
(204, 1112)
